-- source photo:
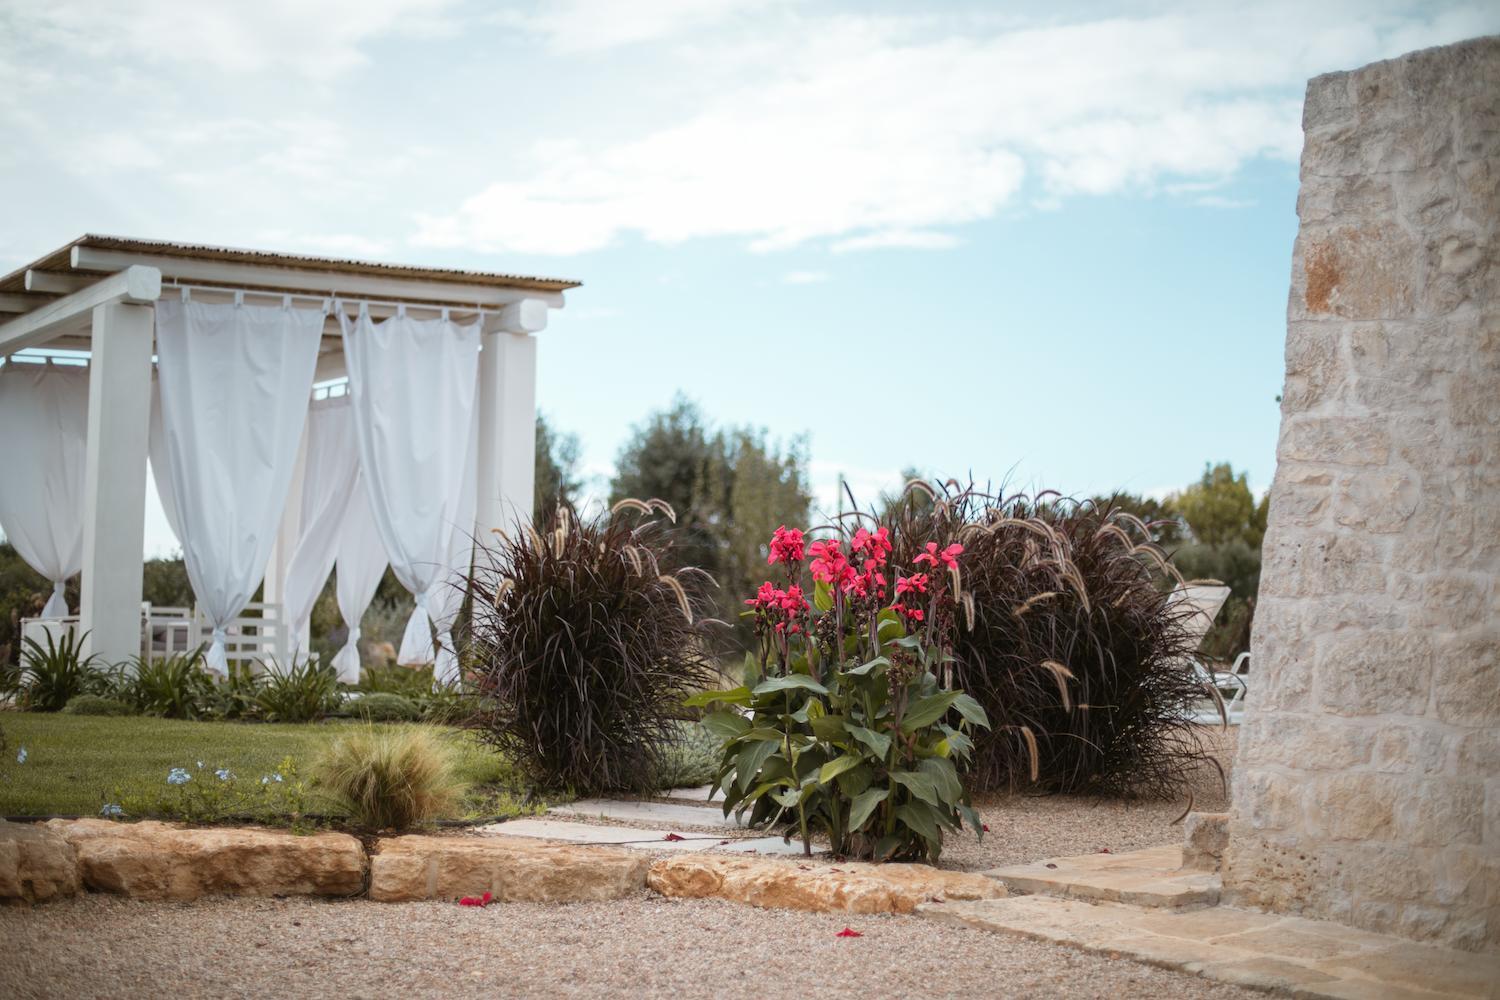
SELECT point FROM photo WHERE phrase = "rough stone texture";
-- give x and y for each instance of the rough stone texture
(1204, 837)
(166, 861)
(513, 869)
(36, 864)
(851, 887)
(1305, 958)
(1368, 781)
(1153, 877)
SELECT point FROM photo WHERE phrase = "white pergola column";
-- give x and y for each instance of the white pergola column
(114, 499)
(507, 417)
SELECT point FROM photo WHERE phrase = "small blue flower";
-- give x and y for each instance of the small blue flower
(111, 811)
(224, 774)
(200, 765)
(21, 756)
(178, 776)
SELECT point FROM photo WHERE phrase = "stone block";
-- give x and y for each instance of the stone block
(512, 869)
(1335, 441)
(165, 861)
(849, 887)
(1466, 681)
(1355, 806)
(1409, 749)
(1375, 673)
(1204, 838)
(1380, 501)
(1365, 271)
(37, 864)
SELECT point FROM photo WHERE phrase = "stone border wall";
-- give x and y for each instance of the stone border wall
(1367, 788)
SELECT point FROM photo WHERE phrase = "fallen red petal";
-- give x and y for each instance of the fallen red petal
(847, 932)
(1051, 865)
(673, 836)
(985, 827)
(1104, 850)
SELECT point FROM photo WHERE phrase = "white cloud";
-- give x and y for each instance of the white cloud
(870, 132)
(317, 40)
(805, 277)
(583, 26)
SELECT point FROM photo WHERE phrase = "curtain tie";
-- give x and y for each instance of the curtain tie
(57, 604)
(353, 634)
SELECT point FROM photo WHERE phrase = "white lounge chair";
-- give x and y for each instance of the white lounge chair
(1207, 599)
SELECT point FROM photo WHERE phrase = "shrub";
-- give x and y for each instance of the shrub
(389, 779)
(1077, 654)
(54, 674)
(95, 704)
(852, 728)
(237, 695)
(173, 687)
(582, 649)
(690, 759)
(301, 692)
(383, 707)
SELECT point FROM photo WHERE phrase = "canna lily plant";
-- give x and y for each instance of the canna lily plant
(847, 725)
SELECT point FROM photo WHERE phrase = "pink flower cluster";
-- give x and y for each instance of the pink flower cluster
(786, 546)
(786, 610)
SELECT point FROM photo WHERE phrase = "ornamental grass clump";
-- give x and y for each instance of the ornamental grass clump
(389, 778)
(582, 648)
(1078, 652)
(848, 725)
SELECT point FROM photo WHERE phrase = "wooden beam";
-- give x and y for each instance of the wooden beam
(248, 276)
(137, 285)
(20, 302)
(54, 281)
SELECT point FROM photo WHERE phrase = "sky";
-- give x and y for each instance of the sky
(1047, 244)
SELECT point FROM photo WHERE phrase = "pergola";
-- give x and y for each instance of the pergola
(98, 294)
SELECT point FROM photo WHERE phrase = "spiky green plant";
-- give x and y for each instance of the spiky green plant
(301, 691)
(389, 778)
(53, 674)
(582, 648)
(172, 687)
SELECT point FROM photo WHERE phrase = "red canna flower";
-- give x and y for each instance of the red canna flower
(914, 584)
(947, 557)
(786, 546)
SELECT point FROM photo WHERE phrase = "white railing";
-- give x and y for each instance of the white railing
(257, 635)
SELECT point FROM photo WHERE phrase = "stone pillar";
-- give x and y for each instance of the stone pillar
(1367, 788)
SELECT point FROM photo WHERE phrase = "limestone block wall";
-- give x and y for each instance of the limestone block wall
(1368, 784)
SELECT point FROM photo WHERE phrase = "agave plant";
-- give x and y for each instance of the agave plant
(54, 673)
(582, 649)
(1078, 653)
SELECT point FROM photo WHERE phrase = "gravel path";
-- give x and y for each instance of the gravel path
(99, 946)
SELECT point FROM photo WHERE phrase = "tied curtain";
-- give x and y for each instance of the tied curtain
(235, 381)
(44, 418)
(412, 386)
(336, 527)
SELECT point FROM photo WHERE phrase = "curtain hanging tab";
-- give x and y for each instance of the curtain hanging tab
(401, 309)
(445, 314)
(186, 294)
(286, 302)
(239, 298)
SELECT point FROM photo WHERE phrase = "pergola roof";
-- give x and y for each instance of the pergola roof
(91, 267)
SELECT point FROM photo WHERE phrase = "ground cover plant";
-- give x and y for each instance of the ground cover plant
(76, 765)
(848, 725)
(582, 648)
(1077, 652)
(54, 672)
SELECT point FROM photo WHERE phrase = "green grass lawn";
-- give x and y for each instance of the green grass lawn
(76, 764)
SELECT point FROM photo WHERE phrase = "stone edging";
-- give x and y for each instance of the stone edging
(162, 861)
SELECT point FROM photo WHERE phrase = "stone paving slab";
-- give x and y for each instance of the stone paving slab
(1305, 958)
(699, 795)
(638, 838)
(1150, 877)
(661, 813)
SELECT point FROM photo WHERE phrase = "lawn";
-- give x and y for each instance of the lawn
(75, 764)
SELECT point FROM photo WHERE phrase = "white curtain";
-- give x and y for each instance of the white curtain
(157, 455)
(330, 477)
(413, 383)
(235, 383)
(361, 564)
(336, 526)
(449, 599)
(44, 421)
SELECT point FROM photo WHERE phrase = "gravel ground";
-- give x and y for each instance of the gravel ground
(1026, 828)
(99, 946)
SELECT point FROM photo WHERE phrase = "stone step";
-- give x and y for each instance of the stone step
(698, 795)
(1305, 958)
(638, 838)
(1152, 877)
(668, 814)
